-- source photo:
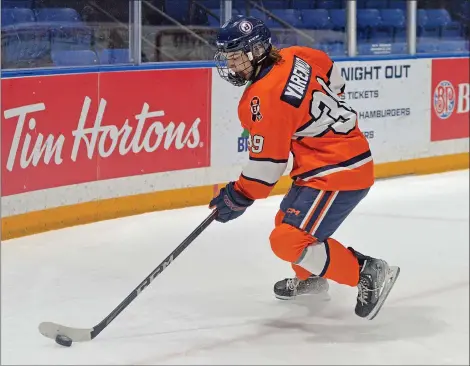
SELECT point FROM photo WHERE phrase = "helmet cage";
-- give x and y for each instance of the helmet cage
(256, 49)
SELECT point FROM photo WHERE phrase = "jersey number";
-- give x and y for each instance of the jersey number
(328, 113)
(256, 144)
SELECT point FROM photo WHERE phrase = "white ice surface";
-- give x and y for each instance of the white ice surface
(214, 304)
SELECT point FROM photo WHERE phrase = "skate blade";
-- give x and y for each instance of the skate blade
(323, 296)
(390, 280)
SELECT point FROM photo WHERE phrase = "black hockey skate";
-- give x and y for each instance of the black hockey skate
(376, 279)
(289, 288)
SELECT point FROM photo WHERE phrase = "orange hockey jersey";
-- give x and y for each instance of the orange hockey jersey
(296, 109)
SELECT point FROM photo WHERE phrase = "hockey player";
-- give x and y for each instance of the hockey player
(291, 105)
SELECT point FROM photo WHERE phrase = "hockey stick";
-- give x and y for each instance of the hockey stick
(52, 330)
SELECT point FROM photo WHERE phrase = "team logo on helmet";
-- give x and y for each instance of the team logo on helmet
(444, 99)
(245, 27)
(255, 109)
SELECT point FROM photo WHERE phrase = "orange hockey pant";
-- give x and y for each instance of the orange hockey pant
(302, 234)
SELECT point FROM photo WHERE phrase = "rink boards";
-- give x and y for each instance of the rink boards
(124, 142)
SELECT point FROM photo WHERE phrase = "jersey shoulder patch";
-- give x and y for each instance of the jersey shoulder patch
(297, 83)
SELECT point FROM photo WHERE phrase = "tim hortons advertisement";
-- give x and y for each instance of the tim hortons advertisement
(69, 129)
(450, 99)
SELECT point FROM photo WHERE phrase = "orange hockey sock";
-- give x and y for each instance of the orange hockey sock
(343, 267)
(329, 259)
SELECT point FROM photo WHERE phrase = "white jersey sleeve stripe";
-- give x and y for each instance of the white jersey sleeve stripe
(337, 82)
(264, 170)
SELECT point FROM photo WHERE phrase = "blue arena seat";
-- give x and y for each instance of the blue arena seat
(392, 26)
(74, 58)
(57, 15)
(69, 37)
(290, 16)
(421, 21)
(7, 17)
(440, 22)
(12, 50)
(17, 15)
(431, 27)
(436, 23)
(16, 3)
(114, 56)
(367, 21)
(23, 15)
(338, 19)
(316, 19)
(25, 43)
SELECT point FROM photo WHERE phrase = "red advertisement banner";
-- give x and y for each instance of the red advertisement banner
(67, 129)
(450, 99)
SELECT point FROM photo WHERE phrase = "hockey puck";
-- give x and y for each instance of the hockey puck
(63, 340)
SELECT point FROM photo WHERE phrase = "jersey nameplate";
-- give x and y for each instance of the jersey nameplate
(297, 83)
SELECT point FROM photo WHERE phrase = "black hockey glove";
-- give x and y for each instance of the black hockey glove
(230, 204)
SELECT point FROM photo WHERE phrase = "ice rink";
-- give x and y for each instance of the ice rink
(214, 304)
